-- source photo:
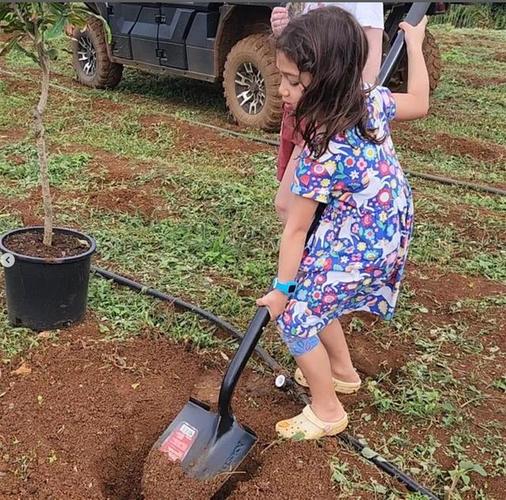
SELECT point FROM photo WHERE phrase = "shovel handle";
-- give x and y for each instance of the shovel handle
(238, 362)
(413, 17)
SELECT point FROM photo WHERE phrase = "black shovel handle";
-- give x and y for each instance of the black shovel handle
(238, 362)
(413, 17)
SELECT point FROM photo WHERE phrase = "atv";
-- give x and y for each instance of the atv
(216, 42)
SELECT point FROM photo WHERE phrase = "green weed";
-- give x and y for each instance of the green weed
(473, 16)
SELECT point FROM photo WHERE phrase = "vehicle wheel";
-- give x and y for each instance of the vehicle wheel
(251, 81)
(399, 80)
(90, 59)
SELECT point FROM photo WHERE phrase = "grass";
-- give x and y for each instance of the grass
(473, 16)
(217, 247)
(63, 169)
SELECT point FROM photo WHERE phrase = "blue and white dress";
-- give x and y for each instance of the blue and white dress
(355, 259)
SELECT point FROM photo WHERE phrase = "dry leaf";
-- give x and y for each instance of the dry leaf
(23, 369)
(44, 335)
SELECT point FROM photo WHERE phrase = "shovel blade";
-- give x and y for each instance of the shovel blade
(194, 439)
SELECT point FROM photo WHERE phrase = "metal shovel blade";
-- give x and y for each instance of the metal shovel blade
(207, 443)
(195, 439)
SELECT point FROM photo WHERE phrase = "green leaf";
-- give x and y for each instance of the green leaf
(52, 54)
(57, 29)
(470, 466)
(298, 436)
(379, 488)
(368, 453)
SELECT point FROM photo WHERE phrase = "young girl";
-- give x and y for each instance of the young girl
(370, 16)
(355, 259)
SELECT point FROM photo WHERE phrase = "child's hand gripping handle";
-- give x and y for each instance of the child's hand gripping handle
(413, 17)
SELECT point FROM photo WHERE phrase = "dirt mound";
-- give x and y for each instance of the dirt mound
(165, 479)
(85, 414)
(82, 415)
(295, 463)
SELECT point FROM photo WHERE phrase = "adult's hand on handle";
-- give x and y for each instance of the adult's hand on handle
(279, 20)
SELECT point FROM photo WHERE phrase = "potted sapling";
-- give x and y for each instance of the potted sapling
(46, 268)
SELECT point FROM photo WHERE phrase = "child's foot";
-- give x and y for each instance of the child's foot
(341, 386)
(307, 425)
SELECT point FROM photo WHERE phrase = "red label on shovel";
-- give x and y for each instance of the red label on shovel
(179, 441)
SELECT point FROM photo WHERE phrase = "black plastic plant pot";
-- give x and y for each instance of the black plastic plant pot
(44, 293)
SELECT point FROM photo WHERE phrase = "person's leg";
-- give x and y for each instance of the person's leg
(315, 365)
(373, 64)
(284, 194)
(334, 341)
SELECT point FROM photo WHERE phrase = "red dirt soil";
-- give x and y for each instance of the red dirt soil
(142, 200)
(126, 200)
(190, 137)
(407, 136)
(478, 82)
(9, 135)
(110, 167)
(79, 417)
(500, 56)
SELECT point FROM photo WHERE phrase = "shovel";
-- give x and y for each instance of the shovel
(208, 443)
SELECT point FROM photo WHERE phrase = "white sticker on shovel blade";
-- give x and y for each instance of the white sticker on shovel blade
(7, 260)
(179, 442)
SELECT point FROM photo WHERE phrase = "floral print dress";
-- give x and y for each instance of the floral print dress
(355, 259)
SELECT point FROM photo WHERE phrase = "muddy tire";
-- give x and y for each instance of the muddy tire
(399, 80)
(90, 59)
(251, 81)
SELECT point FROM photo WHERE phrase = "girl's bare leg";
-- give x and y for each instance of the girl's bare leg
(284, 195)
(373, 64)
(334, 341)
(315, 365)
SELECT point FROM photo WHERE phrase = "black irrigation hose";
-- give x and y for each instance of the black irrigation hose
(455, 182)
(421, 175)
(283, 380)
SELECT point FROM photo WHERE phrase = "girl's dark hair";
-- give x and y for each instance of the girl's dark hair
(329, 44)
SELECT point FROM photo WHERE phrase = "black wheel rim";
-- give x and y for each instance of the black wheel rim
(87, 55)
(250, 88)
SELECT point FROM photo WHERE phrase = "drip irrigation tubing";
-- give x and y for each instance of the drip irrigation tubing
(430, 177)
(284, 380)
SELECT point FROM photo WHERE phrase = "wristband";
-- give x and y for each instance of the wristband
(287, 288)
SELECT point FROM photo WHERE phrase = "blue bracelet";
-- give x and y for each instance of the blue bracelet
(287, 288)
